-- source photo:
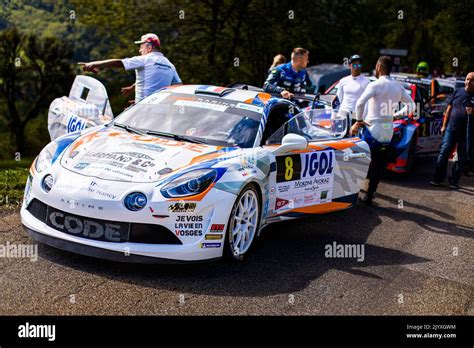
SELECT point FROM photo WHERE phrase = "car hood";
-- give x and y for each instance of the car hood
(112, 154)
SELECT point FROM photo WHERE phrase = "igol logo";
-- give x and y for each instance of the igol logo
(319, 162)
(75, 124)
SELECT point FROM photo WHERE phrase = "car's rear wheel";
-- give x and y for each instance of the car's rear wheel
(243, 224)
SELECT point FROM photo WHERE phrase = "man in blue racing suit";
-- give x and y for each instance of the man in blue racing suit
(290, 78)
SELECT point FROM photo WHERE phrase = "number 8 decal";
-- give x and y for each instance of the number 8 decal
(289, 168)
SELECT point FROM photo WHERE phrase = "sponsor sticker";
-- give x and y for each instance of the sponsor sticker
(87, 227)
(81, 166)
(214, 236)
(182, 208)
(189, 225)
(430, 136)
(249, 107)
(304, 179)
(280, 203)
(217, 228)
(201, 105)
(75, 124)
(210, 245)
(146, 146)
(157, 98)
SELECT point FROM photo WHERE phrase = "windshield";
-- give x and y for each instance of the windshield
(196, 118)
(314, 125)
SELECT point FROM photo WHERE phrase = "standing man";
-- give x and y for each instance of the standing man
(291, 77)
(153, 70)
(351, 88)
(383, 97)
(423, 70)
(455, 126)
(470, 143)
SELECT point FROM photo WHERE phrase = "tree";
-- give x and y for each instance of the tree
(32, 73)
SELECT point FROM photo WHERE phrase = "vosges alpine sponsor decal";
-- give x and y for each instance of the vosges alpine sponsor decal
(304, 179)
(189, 225)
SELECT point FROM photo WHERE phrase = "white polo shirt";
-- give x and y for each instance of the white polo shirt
(153, 71)
(349, 91)
(383, 96)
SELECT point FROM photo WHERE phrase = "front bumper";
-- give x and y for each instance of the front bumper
(92, 251)
(213, 210)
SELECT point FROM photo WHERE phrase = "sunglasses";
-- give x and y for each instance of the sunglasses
(357, 66)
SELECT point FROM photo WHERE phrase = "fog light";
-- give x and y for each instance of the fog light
(48, 183)
(135, 201)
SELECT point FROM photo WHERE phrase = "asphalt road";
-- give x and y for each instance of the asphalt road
(419, 257)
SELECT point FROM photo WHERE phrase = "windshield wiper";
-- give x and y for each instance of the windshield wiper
(177, 137)
(129, 129)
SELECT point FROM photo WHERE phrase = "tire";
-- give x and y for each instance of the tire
(240, 236)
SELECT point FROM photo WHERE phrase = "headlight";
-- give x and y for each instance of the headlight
(46, 156)
(190, 183)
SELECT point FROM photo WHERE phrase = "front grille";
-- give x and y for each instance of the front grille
(103, 230)
(152, 234)
(38, 209)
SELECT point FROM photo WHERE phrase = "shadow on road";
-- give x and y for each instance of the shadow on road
(287, 258)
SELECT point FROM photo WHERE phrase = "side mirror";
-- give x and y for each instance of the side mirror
(291, 142)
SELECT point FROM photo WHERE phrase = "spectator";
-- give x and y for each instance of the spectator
(351, 88)
(291, 77)
(153, 70)
(454, 129)
(279, 59)
(423, 70)
(382, 97)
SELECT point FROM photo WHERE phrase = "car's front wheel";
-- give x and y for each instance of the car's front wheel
(243, 224)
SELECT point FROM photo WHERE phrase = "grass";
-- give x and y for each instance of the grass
(13, 175)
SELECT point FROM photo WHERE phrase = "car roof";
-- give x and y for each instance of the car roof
(411, 79)
(224, 93)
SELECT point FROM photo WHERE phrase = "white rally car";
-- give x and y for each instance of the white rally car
(190, 173)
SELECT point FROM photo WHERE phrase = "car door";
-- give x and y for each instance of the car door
(325, 176)
(429, 132)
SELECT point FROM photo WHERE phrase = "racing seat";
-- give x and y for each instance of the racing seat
(279, 115)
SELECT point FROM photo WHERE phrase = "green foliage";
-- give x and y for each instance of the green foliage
(12, 185)
(33, 72)
(216, 41)
(14, 164)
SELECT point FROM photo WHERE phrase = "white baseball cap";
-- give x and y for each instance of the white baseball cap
(151, 38)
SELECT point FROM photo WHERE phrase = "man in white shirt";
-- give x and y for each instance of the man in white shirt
(153, 70)
(383, 97)
(351, 88)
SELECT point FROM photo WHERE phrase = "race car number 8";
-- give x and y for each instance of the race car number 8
(304, 166)
(289, 168)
